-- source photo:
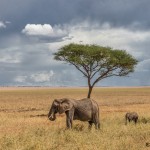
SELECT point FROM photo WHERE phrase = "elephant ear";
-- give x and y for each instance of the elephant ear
(56, 102)
(65, 105)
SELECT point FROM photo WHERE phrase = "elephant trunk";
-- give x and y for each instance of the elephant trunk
(52, 114)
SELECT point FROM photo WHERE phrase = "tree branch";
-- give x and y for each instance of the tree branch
(104, 75)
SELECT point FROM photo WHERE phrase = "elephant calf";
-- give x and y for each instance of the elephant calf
(84, 110)
(131, 116)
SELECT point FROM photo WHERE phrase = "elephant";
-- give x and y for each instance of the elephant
(84, 110)
(131, 116)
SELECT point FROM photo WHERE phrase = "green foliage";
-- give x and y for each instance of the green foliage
(92, 59)
(97, 62)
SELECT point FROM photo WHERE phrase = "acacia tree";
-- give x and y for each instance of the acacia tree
(96, 62)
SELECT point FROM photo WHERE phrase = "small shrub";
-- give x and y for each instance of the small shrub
(144, 120)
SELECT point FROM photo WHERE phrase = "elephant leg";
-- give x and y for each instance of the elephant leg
(97, 125)
(68, 123)
(135, 120)
(71, 122)
(69, 118)
(96, 121)
(90, 124)
(125, 122)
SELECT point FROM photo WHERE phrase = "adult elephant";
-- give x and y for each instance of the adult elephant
(85, 110)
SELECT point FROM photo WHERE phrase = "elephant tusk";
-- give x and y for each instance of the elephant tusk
(51, 116)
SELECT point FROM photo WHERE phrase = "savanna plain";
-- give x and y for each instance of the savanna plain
(24, 124)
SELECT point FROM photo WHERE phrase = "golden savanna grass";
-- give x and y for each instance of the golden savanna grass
(25, 126)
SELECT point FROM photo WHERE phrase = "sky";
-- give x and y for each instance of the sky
(32, 31)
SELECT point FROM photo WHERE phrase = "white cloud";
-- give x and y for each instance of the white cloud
(10, 55)
(44, 30)
(9, 59)
(38, 29)
(2, 25)
(42, 76)
(7, 22)
(39, 77)
(106, 35)
(20, 79)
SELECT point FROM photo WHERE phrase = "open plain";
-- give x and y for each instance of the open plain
(24, 124)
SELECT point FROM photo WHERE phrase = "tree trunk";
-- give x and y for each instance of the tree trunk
(90, 91)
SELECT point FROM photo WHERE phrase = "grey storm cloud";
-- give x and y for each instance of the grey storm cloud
(117, 12)
(31, 31)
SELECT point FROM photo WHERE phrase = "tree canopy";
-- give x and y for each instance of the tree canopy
(96, 62)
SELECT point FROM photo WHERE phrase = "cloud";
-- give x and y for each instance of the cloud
(9, 59)
(28, 40)
(10, 55)
(33, 64)
(45, 32)
(38, 29)
(135, 42)
(20, 79)
(42, 76)
(2, 24)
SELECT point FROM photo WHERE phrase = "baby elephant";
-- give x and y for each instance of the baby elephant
(85, 110)
(131, 116)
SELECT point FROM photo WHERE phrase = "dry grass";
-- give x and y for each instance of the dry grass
(24, 125)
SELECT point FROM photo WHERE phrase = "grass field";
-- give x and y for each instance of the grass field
(25, 126)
